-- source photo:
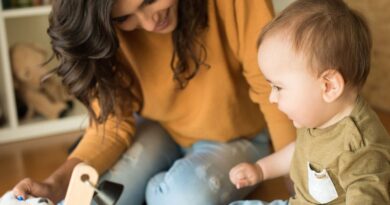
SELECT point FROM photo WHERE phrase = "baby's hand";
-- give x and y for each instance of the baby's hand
(246, 174)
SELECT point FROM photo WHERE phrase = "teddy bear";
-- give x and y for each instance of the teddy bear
(47, 98)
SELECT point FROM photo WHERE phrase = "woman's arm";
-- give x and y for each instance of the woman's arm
(100, 147)
(103, 144)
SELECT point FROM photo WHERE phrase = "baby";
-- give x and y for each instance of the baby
(316, 56)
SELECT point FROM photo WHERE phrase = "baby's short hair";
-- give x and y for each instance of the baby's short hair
(329, 34)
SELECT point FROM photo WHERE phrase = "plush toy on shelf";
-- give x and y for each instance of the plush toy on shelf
(47, 98)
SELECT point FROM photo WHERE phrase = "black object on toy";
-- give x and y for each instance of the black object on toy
(108, 193)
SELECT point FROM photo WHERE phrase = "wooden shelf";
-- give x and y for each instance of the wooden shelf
(43, 128)
(17, 25)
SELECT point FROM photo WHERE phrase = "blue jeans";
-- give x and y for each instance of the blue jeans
(255, 202)
(158, 170)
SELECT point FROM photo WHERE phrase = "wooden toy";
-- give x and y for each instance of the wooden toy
(82, 188)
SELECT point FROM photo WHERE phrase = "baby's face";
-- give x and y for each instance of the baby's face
(295, 89)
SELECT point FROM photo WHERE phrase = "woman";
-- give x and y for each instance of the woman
(189, 68)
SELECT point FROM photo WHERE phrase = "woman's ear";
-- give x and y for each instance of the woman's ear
(332, 85)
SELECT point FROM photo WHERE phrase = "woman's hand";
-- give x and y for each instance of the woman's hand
(246, 174)
(28, 186)
(53, 188)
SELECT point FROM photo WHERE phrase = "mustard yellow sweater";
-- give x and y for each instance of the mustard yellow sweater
(226, 101)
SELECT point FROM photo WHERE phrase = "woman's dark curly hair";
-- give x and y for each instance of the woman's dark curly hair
(84, 41)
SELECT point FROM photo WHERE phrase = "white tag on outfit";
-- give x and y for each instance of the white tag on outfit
(321, 187)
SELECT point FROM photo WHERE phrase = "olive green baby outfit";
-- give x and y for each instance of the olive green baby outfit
(347, 163)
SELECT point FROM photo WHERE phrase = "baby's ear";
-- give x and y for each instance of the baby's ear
(332, 85)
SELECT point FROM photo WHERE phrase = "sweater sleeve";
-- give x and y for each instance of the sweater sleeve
(103, 144)
(251, 17)
(365, 175)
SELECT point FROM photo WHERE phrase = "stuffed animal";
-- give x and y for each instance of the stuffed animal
(47, 98)
(10, 199)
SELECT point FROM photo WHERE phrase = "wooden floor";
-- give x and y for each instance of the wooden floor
(38, 158)
(34, 158)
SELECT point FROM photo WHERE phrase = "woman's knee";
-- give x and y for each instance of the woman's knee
(152, 151)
